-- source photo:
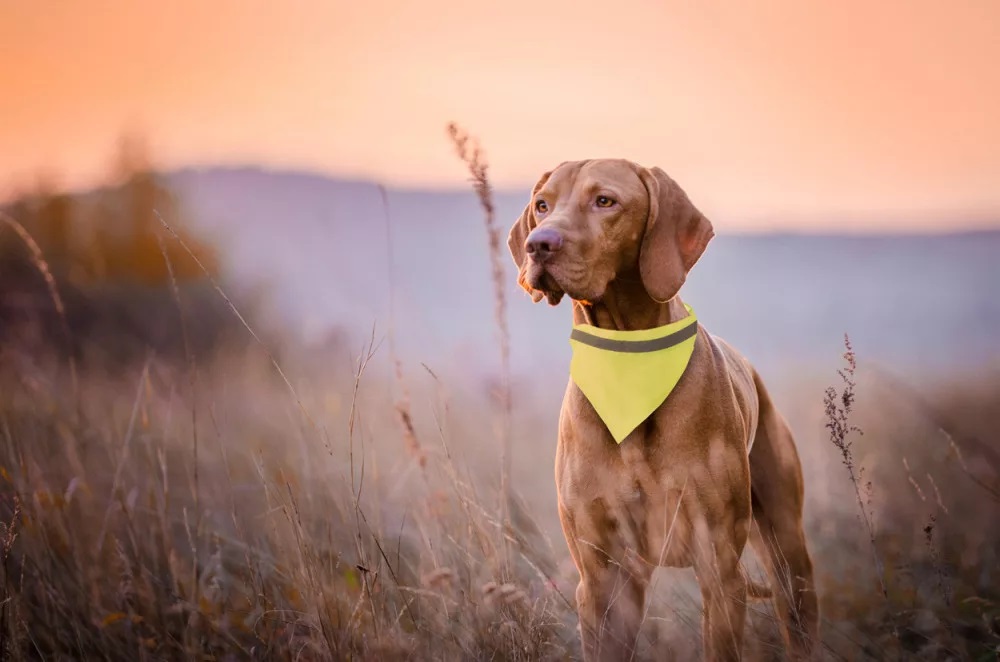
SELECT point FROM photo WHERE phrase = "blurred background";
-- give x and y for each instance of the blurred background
(848, 155)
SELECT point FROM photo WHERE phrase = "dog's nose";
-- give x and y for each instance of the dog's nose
(542, 243)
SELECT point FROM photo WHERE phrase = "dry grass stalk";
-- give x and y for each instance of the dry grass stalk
(192, 379)
(403, 411)
(246, 325)
(402, 405)
(838, 407)
(38, 259)
(936, 561)
(471, 154)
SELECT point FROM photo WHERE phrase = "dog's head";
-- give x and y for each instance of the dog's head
(589, 221)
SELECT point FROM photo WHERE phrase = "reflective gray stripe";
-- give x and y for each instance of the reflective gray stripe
(635, 346)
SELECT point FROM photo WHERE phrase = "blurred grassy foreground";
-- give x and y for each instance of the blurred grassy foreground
(165, 493)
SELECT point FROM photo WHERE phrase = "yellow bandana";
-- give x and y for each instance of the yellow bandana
(626, 375)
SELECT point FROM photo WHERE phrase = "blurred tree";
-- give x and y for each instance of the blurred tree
(111, 235)
(124, 226)
(103, 248)
(54, 219)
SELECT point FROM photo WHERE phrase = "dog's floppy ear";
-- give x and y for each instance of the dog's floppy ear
(519, 234)
(676, 235)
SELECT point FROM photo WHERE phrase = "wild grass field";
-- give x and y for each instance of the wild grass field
(176, 485)
(159, 513)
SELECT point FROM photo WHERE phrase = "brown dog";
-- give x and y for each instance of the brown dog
(713, 466)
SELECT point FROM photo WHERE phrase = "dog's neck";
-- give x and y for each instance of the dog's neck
(627, 306)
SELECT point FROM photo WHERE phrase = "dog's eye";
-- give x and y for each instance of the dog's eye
(541, 206)
(604, 201)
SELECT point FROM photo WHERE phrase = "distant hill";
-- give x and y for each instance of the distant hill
(917, 303)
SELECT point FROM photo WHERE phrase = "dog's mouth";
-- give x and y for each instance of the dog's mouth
(542, 280)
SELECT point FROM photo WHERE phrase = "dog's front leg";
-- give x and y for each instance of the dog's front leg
(610, 601)
(612, 589)
(723, 593)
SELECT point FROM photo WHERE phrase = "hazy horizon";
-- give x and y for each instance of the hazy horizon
(779, 110)
(864, 223)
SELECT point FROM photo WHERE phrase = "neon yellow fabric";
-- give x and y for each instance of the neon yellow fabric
(628, 374)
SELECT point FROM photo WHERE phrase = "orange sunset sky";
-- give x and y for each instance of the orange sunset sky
(883, 110)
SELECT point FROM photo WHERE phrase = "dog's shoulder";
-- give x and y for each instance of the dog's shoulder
(730, 359)
(737, 373)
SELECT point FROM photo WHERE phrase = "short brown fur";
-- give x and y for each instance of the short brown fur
(713, 467)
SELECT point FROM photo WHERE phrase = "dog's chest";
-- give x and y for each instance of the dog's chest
(626, 506)
(645, 489)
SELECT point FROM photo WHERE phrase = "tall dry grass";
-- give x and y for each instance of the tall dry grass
(102, 556)
(470, 152)
(109, 530)
(228, 506)
(838, 407)
(120, 542)
(38, 260)
(932, 587)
